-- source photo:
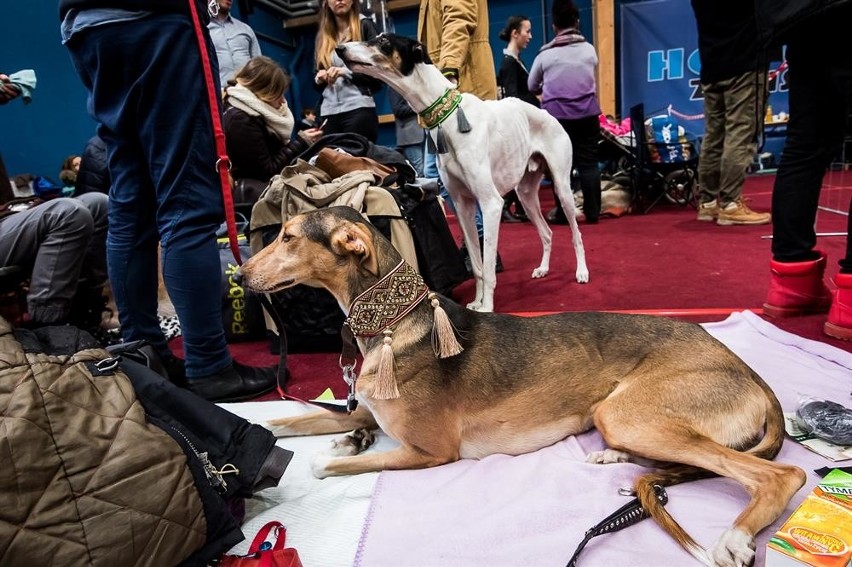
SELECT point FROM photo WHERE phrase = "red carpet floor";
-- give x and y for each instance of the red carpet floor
(664, 262)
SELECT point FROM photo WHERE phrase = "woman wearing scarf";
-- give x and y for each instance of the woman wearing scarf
(564, 74)
(258, 123)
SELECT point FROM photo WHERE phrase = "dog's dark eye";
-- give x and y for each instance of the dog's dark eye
(286, 238)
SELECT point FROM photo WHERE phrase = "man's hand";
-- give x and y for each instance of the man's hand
(7, 90)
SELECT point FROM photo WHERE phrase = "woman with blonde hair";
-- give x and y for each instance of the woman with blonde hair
(347, 97)
(258, 123)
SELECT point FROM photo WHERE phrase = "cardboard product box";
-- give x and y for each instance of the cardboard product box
(819, 532)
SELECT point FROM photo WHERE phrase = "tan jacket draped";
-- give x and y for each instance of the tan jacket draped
(455, 33)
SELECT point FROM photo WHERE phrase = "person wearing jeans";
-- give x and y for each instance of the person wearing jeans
(154, 116)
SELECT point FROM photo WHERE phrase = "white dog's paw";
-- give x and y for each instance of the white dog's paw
(540, 272)
(582, 275)
(474, 305)
(352, 443)
(734, 549)
(319, 465)
(608, 456)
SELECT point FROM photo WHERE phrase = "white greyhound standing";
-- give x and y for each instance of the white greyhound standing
(485, 149)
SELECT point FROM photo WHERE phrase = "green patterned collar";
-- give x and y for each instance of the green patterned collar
(440, 110)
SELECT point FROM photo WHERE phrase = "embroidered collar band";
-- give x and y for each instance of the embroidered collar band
(386, 302)
(441, 109)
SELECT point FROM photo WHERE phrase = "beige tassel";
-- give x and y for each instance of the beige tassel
(384, 386)
(444, 340)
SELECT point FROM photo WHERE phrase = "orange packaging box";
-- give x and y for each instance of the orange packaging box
(819, 532)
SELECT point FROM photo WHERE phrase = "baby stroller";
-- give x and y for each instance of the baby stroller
(657, 159)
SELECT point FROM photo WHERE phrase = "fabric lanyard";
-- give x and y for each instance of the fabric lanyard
(223, 163)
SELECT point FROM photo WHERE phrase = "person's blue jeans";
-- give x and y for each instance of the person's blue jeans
(147, 91)
(430, 170)
(414, 154)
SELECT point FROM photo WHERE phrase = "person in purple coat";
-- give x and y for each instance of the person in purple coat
(564, 74)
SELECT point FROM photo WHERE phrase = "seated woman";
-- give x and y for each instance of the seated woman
(258, 123)
(68, 173)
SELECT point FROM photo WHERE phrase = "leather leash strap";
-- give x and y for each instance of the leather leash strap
(223, 163)
(348, 362)
(223, 166)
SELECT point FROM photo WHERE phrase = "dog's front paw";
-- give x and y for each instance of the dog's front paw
(734, 549)
(582, 275)
(475, 305)
(608, 456)
(540, 272)
(353, 442)
(319, 465)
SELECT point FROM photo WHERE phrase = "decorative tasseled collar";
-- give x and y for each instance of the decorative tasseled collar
(437, 113)
(387, 301)
(377, 309)
(441, 109)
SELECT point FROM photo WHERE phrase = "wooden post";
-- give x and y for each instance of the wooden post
(604, 22)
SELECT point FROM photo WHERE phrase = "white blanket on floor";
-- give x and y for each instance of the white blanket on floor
(532, 509)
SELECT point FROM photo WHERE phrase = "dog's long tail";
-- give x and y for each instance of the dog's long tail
(644, 487)
(767, 448)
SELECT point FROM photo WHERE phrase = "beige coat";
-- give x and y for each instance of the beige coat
(455, 33)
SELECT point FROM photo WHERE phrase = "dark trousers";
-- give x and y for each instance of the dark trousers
(362, 121)
(820, 76)
(147, 91)
(62, 242)
(585, 134)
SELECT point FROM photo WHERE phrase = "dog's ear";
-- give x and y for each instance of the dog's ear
(420, 54)
(355, 239)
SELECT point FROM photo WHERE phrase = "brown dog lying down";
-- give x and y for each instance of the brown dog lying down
(661, 392)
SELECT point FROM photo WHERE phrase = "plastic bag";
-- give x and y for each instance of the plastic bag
(825, 419)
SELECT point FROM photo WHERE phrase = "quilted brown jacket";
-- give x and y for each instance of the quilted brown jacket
(85, 479)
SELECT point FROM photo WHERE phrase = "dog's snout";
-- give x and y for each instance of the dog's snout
(238, 276)
(340, 50)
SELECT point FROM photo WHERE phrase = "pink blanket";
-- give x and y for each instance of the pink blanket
(535, 508)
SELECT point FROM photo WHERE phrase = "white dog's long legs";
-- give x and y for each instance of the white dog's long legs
(562, 185)
(466, 213)
(491, 206)
(527, 191)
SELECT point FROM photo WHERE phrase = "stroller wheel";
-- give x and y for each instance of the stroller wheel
(679, 187)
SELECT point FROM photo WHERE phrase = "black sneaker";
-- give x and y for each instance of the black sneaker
(234, 383)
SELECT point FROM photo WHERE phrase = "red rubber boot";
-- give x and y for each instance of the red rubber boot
(797, 288)
(839, 324)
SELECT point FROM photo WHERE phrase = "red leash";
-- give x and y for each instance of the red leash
(223, 163)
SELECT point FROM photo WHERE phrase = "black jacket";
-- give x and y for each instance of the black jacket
(93, 175)
(513, 81)
(727, 38)
(255, 152)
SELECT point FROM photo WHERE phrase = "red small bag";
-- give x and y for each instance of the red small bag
(276, 556)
